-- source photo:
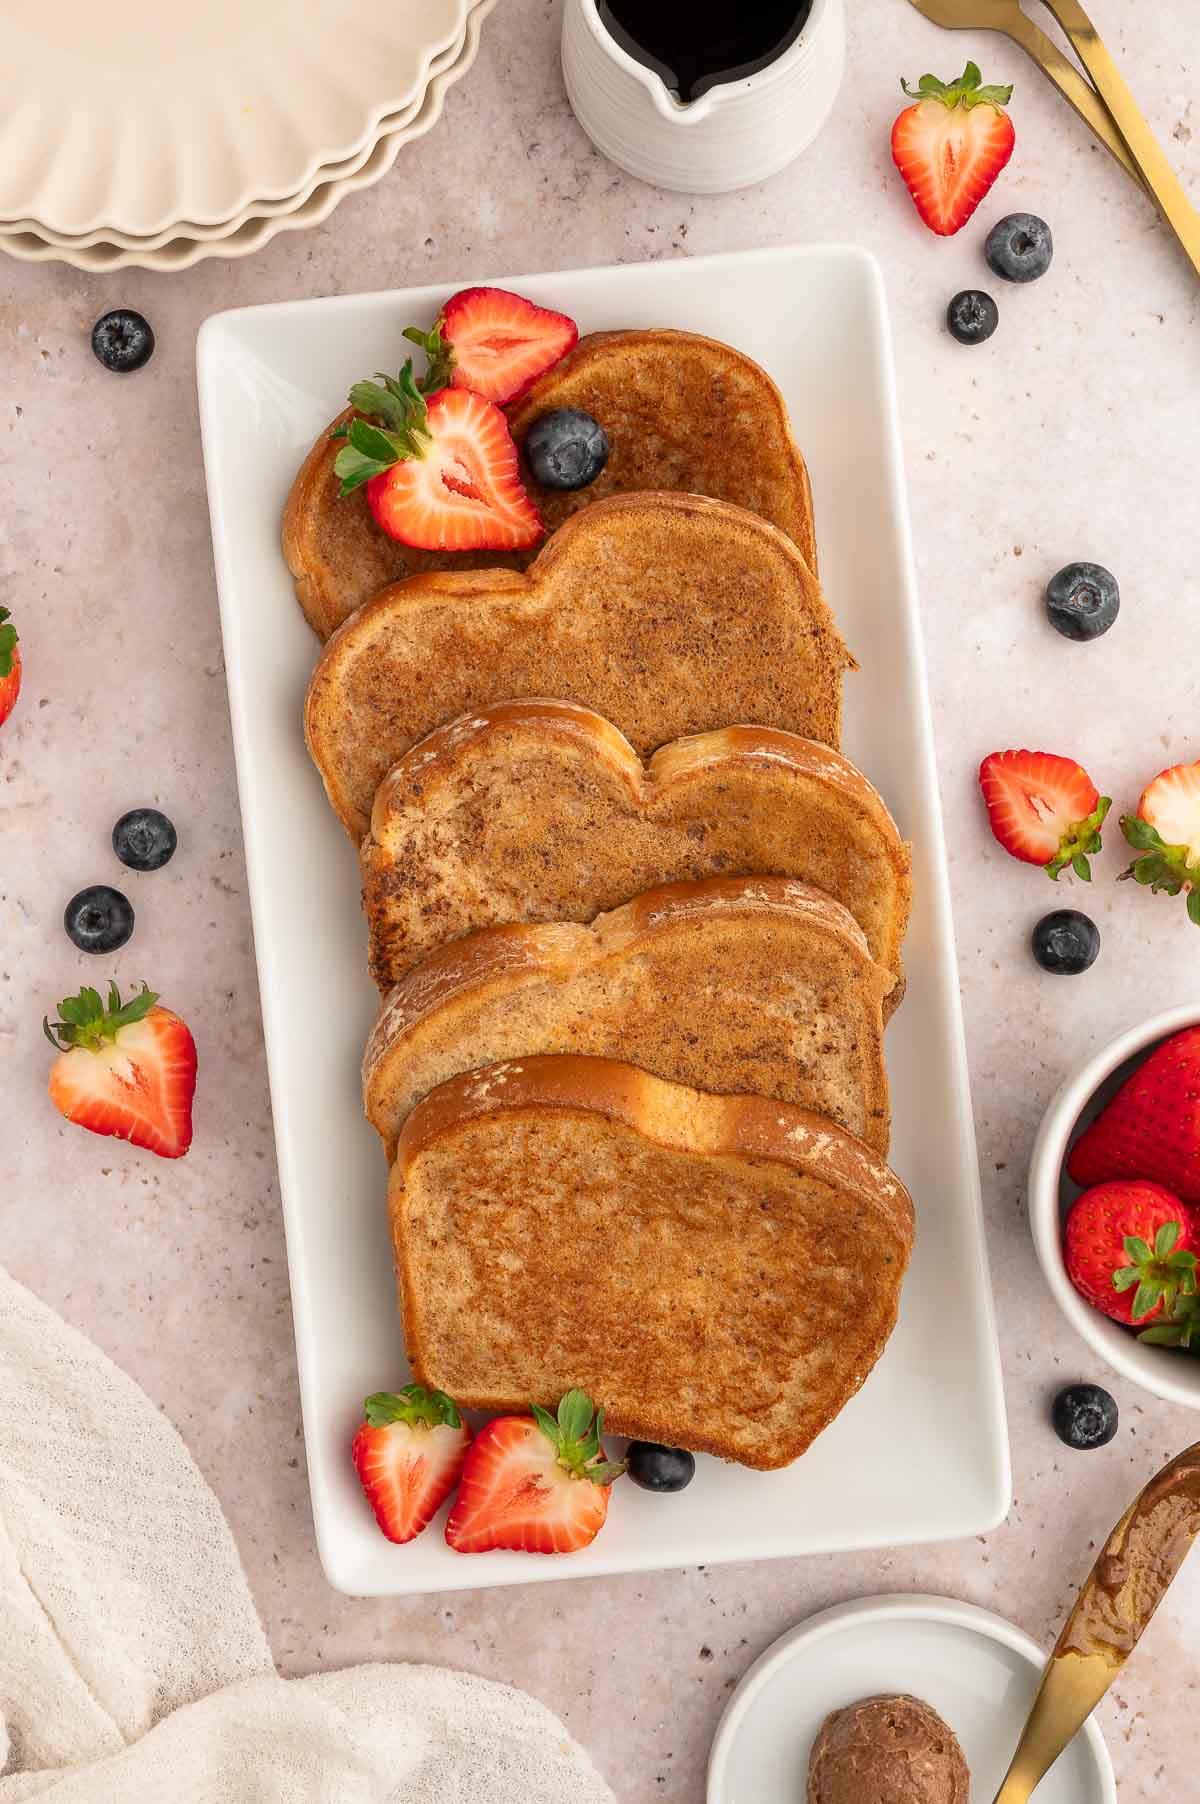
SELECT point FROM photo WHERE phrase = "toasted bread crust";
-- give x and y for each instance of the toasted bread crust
(757, 985)
(683, 412)
(509, 1151)
(665, 612)
(540, 810)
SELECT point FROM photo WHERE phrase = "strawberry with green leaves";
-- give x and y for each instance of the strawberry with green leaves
(10, 666)
(128, 1069)
(441, 472)
(1128, 1250)
(951, 144)
(1165, 833)
(408, 1453)
(1044, 809)
(493, 342)
(535, 1484)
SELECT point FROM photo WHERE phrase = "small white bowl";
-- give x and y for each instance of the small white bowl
(1173, 1376)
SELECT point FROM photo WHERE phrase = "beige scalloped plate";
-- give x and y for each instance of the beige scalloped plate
(196, 112)
(257, 225)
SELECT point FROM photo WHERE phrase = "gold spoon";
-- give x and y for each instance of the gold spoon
(1120, 1595)
(1006, 17)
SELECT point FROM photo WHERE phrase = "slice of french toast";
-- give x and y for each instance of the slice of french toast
(669, 614)
(681, 412)
(751, 985)
(542, 811)
(718, 1272)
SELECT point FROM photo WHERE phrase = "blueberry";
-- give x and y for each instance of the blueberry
(1066, 942)
(1019, 247)
(98, 919)
(972, 316)
(1084, 1416)
(123, 341)
(566, 449)
(144, 839)
(1083, 600)
(658, 1468)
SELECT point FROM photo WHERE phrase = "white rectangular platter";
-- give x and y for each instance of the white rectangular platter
(922, 1452)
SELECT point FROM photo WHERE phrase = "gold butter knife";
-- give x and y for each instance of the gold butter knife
(1147, 153)
(1121, 1594)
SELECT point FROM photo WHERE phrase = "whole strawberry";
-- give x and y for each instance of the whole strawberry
(1151, 1128)
(1127, 1249)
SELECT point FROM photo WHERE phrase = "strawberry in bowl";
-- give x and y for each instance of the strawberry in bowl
(1128, 1247)
(1113, 1194)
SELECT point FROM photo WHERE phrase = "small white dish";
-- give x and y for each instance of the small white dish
(921, 1453)
(736, 133)
(1166, 1374)
(978, 1672)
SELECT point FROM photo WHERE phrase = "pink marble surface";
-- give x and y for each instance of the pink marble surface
(1073, 434)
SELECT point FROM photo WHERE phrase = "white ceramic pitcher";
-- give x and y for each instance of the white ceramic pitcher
(738, 132)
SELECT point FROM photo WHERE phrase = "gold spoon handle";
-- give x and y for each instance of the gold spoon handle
(1120, 1595)
(1074, 88)
(1147, 153)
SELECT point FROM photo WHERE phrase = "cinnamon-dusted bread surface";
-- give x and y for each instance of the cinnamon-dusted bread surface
(540, 810)
(719, 1273)
(681, 412)
(668, 614)
(757, 986)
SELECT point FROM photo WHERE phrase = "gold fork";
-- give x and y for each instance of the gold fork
(1108, 107)
(1006, 17)
(1147, 153)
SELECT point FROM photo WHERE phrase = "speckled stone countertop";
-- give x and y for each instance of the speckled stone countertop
(1074, 433)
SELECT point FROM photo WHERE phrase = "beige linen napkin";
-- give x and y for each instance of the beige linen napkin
(133, 1667)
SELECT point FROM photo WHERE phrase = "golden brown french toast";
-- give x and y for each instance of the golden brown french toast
(718, 1272)
(681, 412)
(735, 984)
(542, 811)
(668, 614)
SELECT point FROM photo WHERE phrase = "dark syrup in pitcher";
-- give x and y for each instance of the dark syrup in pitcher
(694, 44)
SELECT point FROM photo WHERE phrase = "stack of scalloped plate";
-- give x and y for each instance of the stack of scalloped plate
(158, 136)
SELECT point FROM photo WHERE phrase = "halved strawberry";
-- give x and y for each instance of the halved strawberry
(441, 473)
(1165, 831)
(127, 1070)
(1044, 809)
(951, 145)
(535, 1484)
(408, 1454)
(494, 342)
(10, 666)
